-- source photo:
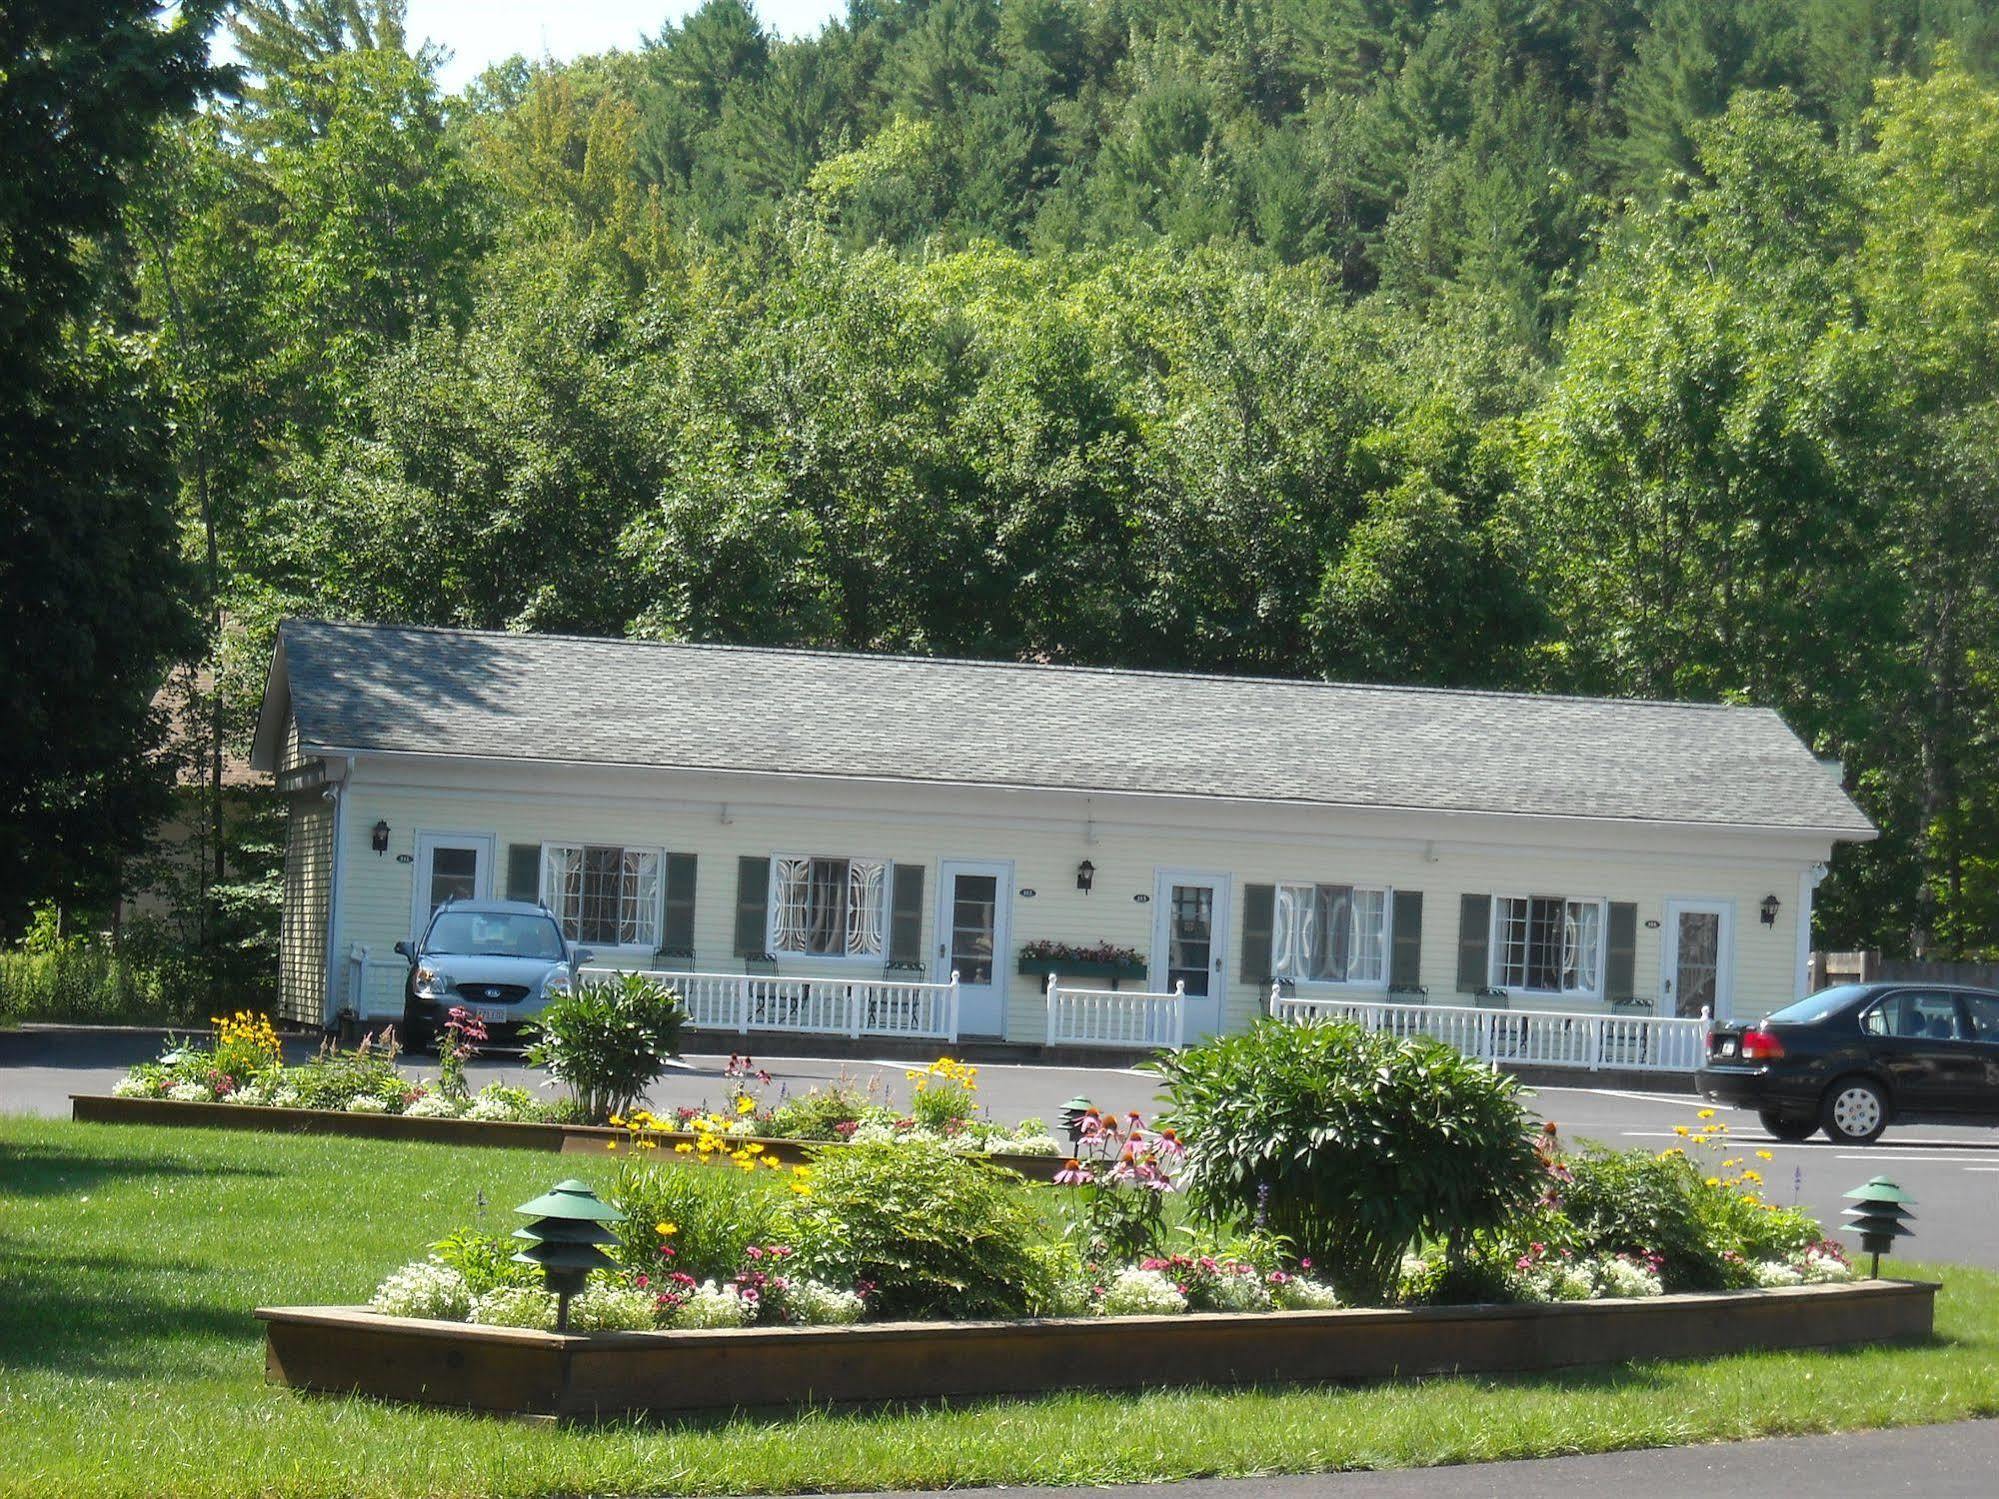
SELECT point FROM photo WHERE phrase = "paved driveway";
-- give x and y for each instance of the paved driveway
(1953, 1173)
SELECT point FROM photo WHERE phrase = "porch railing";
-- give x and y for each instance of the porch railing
(1544, 1038)
(745, 1002)
(1115, 1017)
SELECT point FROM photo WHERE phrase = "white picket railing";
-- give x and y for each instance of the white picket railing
(745, 1002)
(1544, 1038)
(1115, 1017)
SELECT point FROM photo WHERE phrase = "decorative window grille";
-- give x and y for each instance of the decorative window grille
(603, 894)
(829, 907)
(1548, 944)
(1330, 934)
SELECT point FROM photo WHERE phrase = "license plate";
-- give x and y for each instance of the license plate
(487, 1014)
(1728, 1048)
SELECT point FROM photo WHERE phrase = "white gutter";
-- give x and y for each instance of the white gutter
(336, 966)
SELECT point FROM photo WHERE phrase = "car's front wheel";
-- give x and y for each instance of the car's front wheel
(1785, 1127)
(1855, 1111)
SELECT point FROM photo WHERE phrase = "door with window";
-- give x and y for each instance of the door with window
(448, 866)
(1695, 958)
(973, 917)
(1924, 1042)
(1190, 928)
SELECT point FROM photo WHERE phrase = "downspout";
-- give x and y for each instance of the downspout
(1808, 881)
(335, 968)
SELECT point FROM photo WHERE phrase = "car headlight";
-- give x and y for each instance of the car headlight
(556, 983)
(430, 984)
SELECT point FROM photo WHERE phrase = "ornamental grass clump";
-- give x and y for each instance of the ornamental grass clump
(1354, 1146)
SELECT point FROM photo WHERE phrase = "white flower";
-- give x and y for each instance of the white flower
(432, 1106)
(131, 1087)
(815, 1302)
(875, 1134)
(190, 1093)
(1239, 1288)
(1619, 1277)
(1032, 1145)
(1301, 1293)
(366, 1103)
(515, 1306)
(613, 1308)
(429, 1288)
(286, 1097)
(711, 1305)
(491, 1109)
(1819, 1266)
(1556, 1280)
(1141, 1293)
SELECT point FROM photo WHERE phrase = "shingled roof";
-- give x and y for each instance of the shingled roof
(384, 688)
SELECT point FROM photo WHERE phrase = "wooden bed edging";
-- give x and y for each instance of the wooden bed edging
(343, 1350)
(567, 1139)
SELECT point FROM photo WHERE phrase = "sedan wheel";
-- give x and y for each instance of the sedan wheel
(1784, 1127)
(1856, 1111)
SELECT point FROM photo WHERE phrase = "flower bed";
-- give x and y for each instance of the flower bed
(344, 1349)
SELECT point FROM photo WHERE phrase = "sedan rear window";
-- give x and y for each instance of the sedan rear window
(495, 934)
(1815, 1007)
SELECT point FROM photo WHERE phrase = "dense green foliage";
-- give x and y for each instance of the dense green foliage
(935, 1234)
(1354, 1145)
(607, 1041)
(1621, 346)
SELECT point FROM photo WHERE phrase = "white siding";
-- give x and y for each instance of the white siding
(1045, 835)
(307, 899)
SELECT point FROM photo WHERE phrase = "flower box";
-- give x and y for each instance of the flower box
(567, 1139)
(1081, 968)
(342, 1350)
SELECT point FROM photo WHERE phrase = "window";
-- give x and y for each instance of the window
(829, 908)
(1914, 1016)
(1983, 1012)
(488, 934)
(1330, 934)
(602, 894)
(1547, 943)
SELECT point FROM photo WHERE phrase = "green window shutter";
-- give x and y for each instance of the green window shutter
(1620, 951)
(1474, 937)
(523, 871)
(1405, 951)
(1259, 912)
(905, 913)
(676, 935)
(752, 906)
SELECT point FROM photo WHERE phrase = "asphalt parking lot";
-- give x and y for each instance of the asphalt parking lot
(1952, 1172)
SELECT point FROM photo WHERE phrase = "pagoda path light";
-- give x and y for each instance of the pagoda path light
(1880, 1215)
(569, 1223)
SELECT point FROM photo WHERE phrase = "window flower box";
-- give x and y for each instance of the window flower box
(1100, 960)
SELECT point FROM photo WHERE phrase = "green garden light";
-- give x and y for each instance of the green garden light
(569, 1223)
(1880, 1215)
(1071, 1118)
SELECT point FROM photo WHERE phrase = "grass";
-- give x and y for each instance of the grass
(130, 1259)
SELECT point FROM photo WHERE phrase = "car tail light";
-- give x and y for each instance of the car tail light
(1760, 1045)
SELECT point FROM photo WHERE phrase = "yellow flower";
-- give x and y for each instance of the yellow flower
(1680, 1129)
(801, 1189)
(1714, 1181)
(683, 1148)
(1764, 1155)
(1705, 1114)
(746, 1105)
(1755, 1176)
(611, 1145)
(667, 1230)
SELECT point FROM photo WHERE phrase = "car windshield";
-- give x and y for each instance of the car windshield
(495, 934)
(1814, 1007)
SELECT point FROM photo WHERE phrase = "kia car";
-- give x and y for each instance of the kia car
(502, 961)
(1853, 1059)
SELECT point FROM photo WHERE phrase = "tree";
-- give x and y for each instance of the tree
(91, 609)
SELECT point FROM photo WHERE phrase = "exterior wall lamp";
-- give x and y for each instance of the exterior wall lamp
(378, 837)
(1086, 874)
(1770, 907)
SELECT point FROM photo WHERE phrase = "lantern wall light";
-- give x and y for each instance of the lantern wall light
(378, 837)
(1771, 905)
(1086, 875)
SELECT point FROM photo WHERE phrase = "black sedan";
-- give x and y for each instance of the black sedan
(1854, 1059)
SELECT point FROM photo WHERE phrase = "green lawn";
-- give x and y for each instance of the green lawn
(129, 1363)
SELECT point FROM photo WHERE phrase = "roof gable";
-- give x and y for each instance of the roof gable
(796, 712)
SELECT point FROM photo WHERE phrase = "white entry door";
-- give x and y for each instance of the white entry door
(974, 902)
(449, 866)
(1190, 933)
(1696, 958)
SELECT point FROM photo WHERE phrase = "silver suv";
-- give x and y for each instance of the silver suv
(501, 960)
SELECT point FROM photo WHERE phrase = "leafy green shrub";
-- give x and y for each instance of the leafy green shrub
(484, 1261)
(1632, 1202)
(1353, 1145)
(91, 984)
(335, 1078)
(935, 1234)
(609, 1041)
(715, 1212)
(818, 1113)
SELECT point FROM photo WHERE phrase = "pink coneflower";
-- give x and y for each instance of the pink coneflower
(1074, 1174)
